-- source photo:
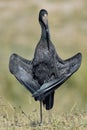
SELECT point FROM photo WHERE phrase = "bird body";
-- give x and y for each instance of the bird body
(47, 71)
(44, 62)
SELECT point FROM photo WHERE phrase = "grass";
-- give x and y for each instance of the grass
(12, 118)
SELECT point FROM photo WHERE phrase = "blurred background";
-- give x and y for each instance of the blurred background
(20, 33)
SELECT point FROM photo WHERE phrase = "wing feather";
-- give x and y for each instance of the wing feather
(22, 70)
(67, 68)
(48, 87)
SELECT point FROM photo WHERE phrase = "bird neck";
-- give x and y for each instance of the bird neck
(45, 35)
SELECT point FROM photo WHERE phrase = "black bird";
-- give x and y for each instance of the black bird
(47, 71)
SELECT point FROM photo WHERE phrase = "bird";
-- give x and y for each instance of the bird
(46, 71)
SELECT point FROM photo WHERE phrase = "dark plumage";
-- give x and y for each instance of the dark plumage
(47, 71)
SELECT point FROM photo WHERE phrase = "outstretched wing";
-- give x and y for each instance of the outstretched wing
(22, 70)
(48, 87)
(68, 66)
(66, 69)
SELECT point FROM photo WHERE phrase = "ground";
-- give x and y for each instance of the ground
(12, 118)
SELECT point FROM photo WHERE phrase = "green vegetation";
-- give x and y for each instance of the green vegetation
(12, 118)
(19, 33)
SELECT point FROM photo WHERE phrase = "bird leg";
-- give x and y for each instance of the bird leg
(40, 112)
(49, 116)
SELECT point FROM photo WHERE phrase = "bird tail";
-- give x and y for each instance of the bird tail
(49, 101)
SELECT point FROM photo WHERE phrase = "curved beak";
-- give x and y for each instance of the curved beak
(45, 20)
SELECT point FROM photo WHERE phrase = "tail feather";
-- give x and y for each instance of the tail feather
(48, 102)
